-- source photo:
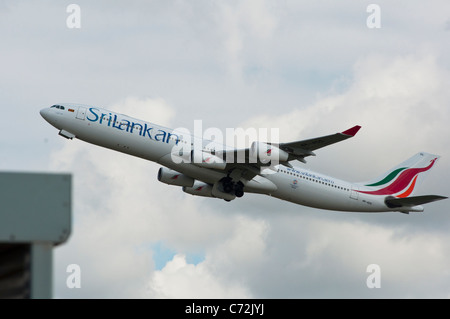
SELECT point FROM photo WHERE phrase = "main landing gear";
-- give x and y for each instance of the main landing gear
(231, 187)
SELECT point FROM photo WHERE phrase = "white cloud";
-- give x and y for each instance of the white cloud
(401, 103)
(114, 211)
(335, 255)
(179, 279)
(156, 110)
(247, 24)
(225, 271)
(257, 246)
(120, 208)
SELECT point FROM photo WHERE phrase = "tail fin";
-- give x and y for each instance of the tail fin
(401, 180)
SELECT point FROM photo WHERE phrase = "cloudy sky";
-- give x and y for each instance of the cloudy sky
(309, 68)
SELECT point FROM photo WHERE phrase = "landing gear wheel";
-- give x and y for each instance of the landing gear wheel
(239, 189)
(227, 184)
(228, 187)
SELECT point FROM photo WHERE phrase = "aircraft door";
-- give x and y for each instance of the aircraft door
(354, 192)
(81, 114)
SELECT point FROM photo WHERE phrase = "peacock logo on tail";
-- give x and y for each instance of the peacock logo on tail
(400, 181)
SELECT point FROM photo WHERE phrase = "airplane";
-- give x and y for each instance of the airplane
(211, 169)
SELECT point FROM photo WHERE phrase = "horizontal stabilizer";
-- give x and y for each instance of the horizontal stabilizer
(393, 202)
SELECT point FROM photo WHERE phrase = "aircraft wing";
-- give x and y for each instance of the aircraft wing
(300, 149)
(241, 159)
(296, 150)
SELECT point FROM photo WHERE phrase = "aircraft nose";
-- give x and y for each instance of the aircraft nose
(44, 113)
(47, 115)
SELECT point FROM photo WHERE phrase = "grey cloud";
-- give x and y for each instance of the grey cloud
(309, 68)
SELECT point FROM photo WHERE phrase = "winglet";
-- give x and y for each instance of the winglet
(352, 131)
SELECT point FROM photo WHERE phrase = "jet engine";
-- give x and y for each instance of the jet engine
(172, 177)
(266, 153)
(206, 190)
(199, 189)
(208, 160)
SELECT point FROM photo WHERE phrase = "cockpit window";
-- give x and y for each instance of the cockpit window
(58, 107)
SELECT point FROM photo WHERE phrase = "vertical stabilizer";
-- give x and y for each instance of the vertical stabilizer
(401, 181)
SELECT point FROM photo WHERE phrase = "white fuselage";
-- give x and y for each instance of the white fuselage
(156, 143)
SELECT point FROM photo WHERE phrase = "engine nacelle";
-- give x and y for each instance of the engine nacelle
(206, 190)
(266, 153)
(199, 189)
(217, 191)
(205, 159)
(172, 177)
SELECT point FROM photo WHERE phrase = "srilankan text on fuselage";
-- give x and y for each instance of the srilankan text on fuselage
(145, 130)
